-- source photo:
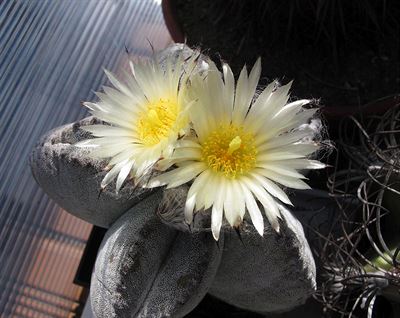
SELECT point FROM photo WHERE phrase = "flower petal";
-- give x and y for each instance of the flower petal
(254, 211)
(217, 211)
(112, 173)
(290, 182)
(229, 88)
(272, 188)
(124, 172)
(177, 176)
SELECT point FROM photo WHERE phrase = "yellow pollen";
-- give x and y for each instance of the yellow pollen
(158, 122)
(229, 151)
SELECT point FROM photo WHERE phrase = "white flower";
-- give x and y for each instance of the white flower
(147, 113)
(242, 149)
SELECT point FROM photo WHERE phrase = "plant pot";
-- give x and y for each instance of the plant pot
(171, 22)
(352, 76)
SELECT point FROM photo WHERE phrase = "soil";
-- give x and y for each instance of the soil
(344, 55)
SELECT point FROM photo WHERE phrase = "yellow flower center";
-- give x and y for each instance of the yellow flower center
(229, 151)
(156, 123)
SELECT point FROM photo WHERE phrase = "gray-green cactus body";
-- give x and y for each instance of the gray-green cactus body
(72, 178)
(270, 273)
(147, 269)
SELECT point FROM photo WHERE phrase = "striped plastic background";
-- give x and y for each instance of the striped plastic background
(51, 57)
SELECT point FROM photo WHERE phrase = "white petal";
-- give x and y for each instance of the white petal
(301, 164)
(216, 221)
(241, 97)
(127, 153)
(165, 164)
(272, 188)
(115, 118)
(189, 207)
(301, 118)
(210, 191)
(229, 205)
(87, 143)
(229, 89)
(146, 79)
(254, 211)
(188, 143)
(264, 114)
(125, 170)
(104, 130)
(281, 140)
(260, 193)
(270, 206)
(278, 155)
(203, 121)
(177, 176)
(239, 202)
(131, 83)
(90, 105)
(281, 169)
(186, 174)
(253, 80)
(261, 106)
(272, 219)
(118, 84)
(198, 188)
(144, 166)
(245, 90)
(112, 174)
(121, 102)
(293, 107)
(107, 151)
(186, 153)
(284, 180)
(217, 209)
(105, 141)
(305, 148)
(215, 84)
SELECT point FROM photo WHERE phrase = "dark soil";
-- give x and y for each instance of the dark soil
(344, 52)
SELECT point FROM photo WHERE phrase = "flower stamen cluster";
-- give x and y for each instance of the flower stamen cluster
(156, 122)
(229, 151)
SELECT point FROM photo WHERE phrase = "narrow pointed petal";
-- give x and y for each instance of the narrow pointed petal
(123, 174)
(178, 176)
(229, 86)
(272, 188)
(254, 211)
(112, 174)
(216, 221)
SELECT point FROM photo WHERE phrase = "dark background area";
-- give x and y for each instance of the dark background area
(342, 52)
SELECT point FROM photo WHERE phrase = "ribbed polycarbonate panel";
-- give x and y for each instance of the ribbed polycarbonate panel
(51, 57)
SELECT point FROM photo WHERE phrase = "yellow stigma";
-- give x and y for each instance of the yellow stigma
(153, 118)
(234, 144)
(158, 121)
(229, 151)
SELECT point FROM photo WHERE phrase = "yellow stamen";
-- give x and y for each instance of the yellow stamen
(229, 151)
(158, 122)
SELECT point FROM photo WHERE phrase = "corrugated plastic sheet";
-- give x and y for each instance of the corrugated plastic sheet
(52, 53)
